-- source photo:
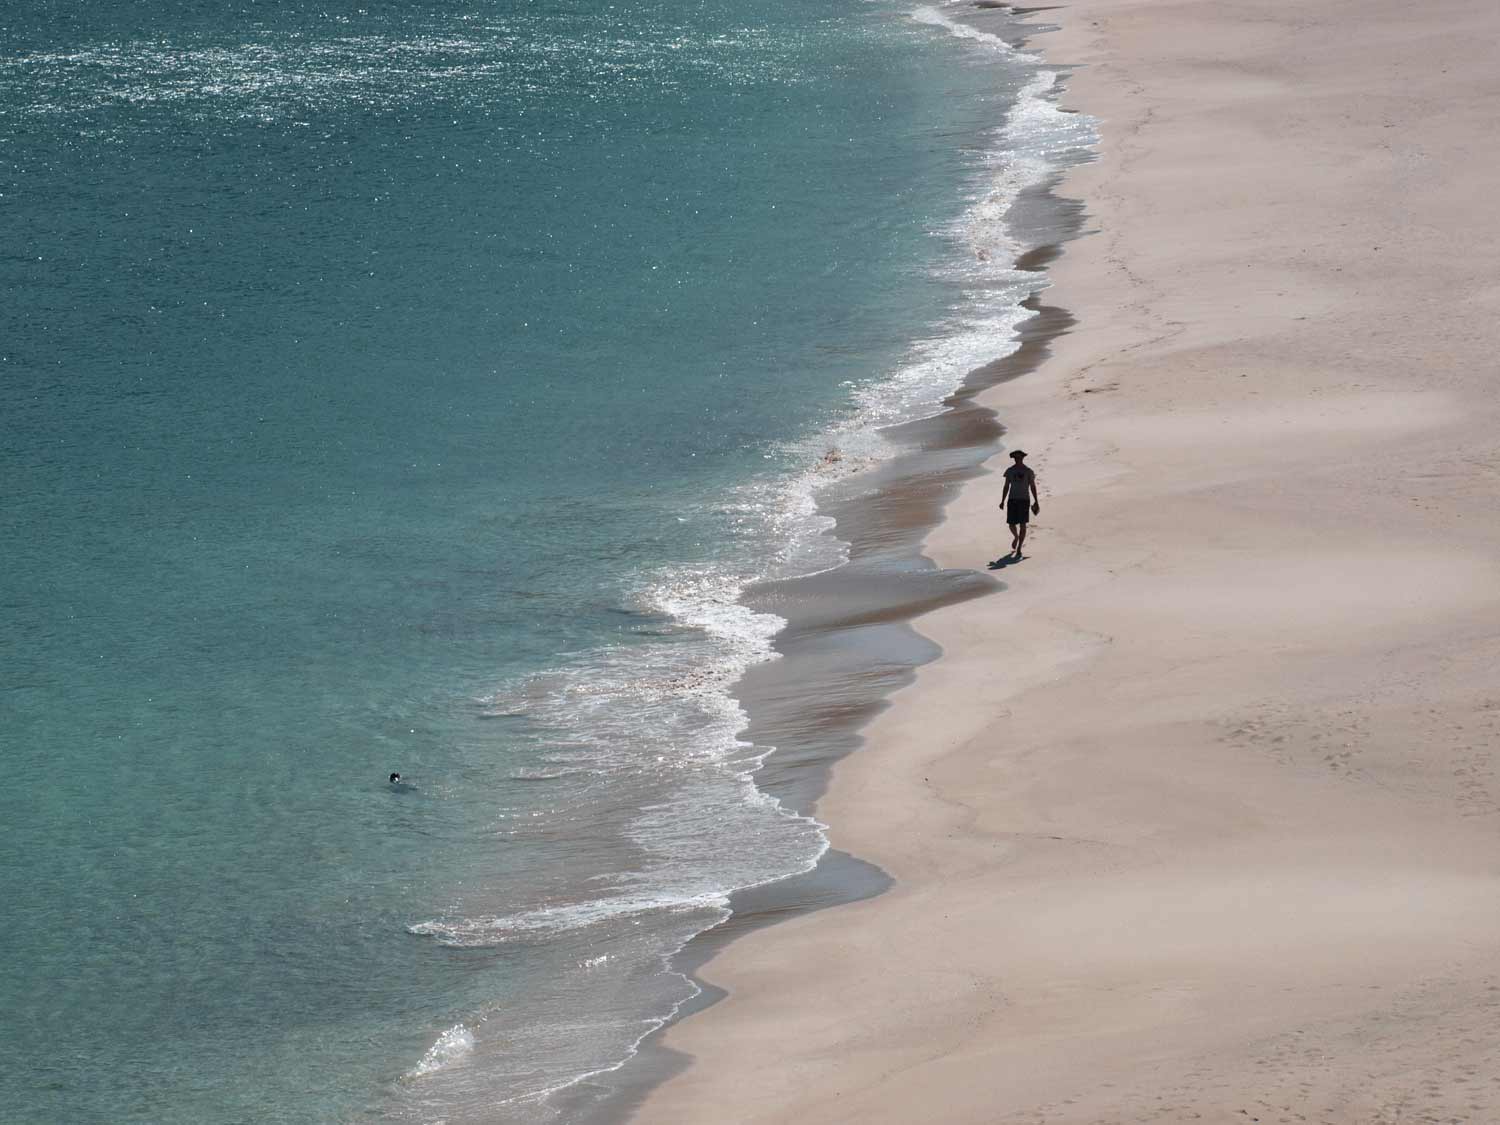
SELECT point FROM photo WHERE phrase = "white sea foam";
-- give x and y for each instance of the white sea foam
(451, 1048)
(1024, 152)
(473, 933)
(936, 17)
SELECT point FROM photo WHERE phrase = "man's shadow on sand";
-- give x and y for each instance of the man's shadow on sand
(1006, 560)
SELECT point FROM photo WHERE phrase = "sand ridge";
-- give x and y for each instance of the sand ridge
(1199, 819)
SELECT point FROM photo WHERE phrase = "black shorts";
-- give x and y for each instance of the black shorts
(1017, 512)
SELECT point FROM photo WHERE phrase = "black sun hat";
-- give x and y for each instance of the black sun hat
(1018, 453)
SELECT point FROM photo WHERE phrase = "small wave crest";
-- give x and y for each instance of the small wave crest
(550, 775)
(935, 17)
(452, 1047)
(477, 933)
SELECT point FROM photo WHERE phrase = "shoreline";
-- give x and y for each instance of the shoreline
(848, 644)
(828, 645)
(1219, 841)
(850, 628)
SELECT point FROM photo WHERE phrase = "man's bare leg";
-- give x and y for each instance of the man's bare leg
(1020, 538)
(1016, 530)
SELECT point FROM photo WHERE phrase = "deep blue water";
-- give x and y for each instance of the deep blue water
(410, 386)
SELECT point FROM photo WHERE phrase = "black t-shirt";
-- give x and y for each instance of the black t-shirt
(1019, 477)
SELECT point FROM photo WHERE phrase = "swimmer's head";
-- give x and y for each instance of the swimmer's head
(395, 778)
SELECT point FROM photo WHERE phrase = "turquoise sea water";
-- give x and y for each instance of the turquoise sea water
(412, 386)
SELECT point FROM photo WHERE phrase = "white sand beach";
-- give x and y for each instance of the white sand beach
(1199, 818)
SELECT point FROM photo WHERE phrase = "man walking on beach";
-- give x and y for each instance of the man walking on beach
(1018, 495)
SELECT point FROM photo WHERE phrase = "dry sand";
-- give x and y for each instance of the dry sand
(1199, 819)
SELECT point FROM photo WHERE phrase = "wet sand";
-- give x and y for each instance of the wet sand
(1198, 817)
